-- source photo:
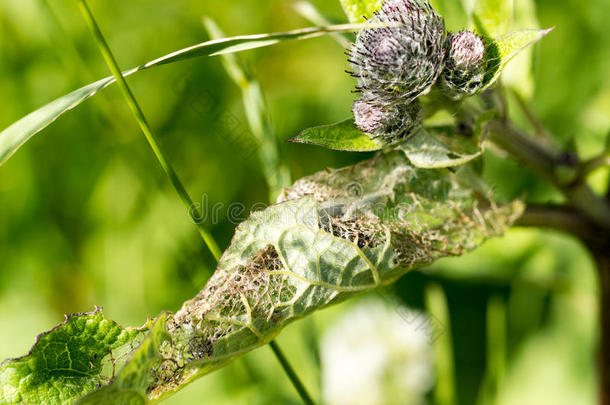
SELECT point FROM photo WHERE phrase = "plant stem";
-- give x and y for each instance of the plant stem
(550, 165)
(539, 129)
(146, 129)
(291, 374)
(590, 166)
(560, 218)
(603, 263)
(588, 217)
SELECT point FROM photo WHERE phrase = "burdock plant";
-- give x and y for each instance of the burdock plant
(337, 233)
(465, 64)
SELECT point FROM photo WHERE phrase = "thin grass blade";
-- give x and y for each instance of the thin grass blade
(13, 137)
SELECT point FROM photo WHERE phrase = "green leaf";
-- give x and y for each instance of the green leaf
(67, 362)
(360, 10)
(519, 76)
(503, 50)
(309, 12)
(493, 17)
(332, 235)
(130, 385)
(343, 136)
(13, 137)
(440, 147)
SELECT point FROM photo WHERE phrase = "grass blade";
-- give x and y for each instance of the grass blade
(314, 16)
(146, 129)
(13, 137)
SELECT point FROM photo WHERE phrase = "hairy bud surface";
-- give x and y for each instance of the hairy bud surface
(464, 71)
(397, 63)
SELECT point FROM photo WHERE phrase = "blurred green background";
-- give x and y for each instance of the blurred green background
(88, 218)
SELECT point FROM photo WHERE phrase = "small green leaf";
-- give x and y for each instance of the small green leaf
(130, 385)
(13, 137)
(359, 10)
(341, 136)
(67, 362)
(503, 50)
(493, 17)
(440, 147)
(519, 76)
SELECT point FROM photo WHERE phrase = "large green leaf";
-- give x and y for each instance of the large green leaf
(503, 50)
(332, 235)
(343, 136)
(67, 362)
(13, 137)
(360, 10)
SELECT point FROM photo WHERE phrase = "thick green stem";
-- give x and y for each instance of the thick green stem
(146, 129)
(550, 165)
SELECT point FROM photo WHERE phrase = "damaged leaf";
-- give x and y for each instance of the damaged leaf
(331, 236)
(69, 361)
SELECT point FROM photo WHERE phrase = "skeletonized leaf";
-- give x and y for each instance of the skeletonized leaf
(503, 50)
(13, 137)
(343, 136)
(131, 382)
(67, 362)
(360, 10)
(334, 234)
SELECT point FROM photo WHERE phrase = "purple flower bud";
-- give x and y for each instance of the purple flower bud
(396, 64)
(393, 123)
(368, 116)
(464, 66)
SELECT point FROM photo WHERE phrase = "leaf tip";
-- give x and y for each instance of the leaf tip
(547, 31)
(296, 139)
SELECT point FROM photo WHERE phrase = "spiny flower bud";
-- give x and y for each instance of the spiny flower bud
(464, 66)
(393, 123)
(395, 64)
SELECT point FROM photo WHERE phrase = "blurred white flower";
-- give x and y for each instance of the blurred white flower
(374, 354)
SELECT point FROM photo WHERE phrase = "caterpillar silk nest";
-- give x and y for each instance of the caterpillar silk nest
(465, 65)
(393, 65)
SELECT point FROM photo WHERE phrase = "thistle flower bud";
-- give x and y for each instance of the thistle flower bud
(464, 66)
(395, 64)
(393, 123)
